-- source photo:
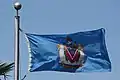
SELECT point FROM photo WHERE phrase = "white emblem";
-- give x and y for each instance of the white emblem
(66, 59)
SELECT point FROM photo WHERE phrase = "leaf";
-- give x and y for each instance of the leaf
(5, 68)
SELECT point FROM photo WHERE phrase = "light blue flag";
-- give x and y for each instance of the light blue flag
(76, 52)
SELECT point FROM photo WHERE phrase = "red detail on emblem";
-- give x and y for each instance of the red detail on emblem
(71, 58)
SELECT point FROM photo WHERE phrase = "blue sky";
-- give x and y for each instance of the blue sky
(61, 16)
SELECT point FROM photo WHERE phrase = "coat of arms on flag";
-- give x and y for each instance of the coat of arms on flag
(75, 52)
(71, 55)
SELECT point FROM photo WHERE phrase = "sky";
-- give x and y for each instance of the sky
(56, 17)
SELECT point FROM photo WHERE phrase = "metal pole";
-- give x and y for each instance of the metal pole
(17, 6)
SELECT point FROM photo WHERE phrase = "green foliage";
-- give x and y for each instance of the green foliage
(5, 68)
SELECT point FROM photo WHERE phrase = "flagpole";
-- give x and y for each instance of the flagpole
(17, 7)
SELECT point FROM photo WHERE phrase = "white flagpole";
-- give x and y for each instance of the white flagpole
(17, 6)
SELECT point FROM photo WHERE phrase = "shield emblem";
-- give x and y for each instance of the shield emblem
(70, 57)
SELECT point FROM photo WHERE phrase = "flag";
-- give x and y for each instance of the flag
(75, 52)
